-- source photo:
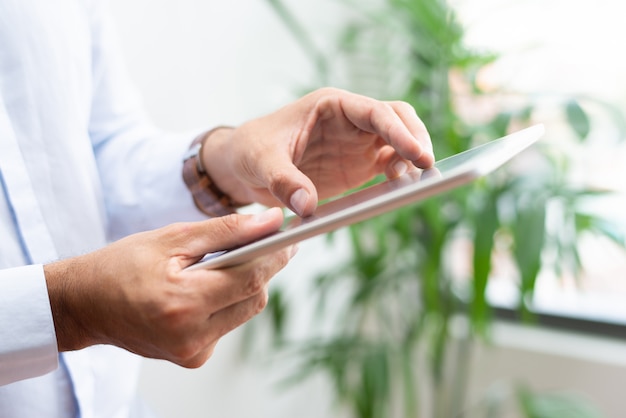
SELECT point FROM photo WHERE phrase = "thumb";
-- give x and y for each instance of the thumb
(229, 231)
(293, 188)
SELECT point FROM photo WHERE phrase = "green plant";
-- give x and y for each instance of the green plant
(400, 292)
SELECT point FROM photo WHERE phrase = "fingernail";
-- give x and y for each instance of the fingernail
(400, 168)
(263, 217)
(298, 201)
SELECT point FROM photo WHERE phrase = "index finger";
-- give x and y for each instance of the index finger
(418, 130)
(222, 288)
(396, 122)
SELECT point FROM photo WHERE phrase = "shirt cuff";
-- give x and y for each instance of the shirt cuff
(28, 346)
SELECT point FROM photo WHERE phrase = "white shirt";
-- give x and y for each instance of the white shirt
(79, 165)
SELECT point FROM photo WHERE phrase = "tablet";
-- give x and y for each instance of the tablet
(414, 186)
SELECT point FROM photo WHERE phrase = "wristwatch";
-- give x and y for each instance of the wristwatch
(206, 195)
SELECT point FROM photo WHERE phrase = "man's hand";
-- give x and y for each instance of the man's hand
(136, 294)
(317, 147)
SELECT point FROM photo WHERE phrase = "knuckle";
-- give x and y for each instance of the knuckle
(178, 319)
(282, 258)
(192, 364)
(256, 281)
(262, 271)
(177, 230)
(185, 351)
(199, 359)
(229, 224)
(403, 107)
(327, 99)
(192, 350)
(328, 91)
(280, 184)
(260, 302)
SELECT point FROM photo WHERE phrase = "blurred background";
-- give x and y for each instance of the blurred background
(523, 316)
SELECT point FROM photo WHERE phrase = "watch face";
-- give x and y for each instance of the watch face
(192, 151)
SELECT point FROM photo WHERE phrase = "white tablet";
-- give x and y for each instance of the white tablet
(411, 187)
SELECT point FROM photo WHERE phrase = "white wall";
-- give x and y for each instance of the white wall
(201, 63)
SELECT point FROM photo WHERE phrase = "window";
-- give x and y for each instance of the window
(568, 48)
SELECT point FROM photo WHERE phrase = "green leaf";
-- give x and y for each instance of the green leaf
(277, 307)
(374, 382)
(501, 123)
(600, 226)
(485, 227)
(529, 232)
(407, 360)
(578, 119)
(555, 405)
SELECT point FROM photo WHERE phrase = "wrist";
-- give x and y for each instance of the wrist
(63, 290)
(215, 189)
(216, 160)
(207, 196)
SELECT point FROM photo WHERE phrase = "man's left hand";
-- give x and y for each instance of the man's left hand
(323, 144)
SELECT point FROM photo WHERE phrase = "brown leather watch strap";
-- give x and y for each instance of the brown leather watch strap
(206, 195)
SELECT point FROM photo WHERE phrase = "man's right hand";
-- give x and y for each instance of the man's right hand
(135, 293)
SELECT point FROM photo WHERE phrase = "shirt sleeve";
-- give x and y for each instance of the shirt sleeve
(140, 167)
(28, 346)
